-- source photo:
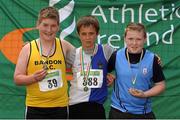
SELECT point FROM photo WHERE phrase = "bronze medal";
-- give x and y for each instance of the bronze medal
(86, 88)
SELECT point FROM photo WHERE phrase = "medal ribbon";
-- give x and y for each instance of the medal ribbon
(86, 75)
(134, 77)
(41, 54)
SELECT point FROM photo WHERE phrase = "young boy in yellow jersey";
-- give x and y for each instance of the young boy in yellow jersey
(41, 68)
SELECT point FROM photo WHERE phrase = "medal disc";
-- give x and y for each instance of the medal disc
(45, 67)
(86, 88)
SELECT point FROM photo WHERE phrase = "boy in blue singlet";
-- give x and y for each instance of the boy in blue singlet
(136, 70)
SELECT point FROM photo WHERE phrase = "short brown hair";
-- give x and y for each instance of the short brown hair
(48, 12)
(136, 27)
(87, 21)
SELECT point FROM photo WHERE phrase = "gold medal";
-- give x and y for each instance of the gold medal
(45, 66)
(86, 88)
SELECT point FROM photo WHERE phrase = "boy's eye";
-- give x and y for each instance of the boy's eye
(91, 33)
(53, 26)
(130, 39)
(45, 25)
(83, 33)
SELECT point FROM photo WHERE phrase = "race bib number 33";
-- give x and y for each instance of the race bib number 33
(52, 81)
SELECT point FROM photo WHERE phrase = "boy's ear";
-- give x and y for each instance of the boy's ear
(145, 40)
(58, 28)
(37, 27)
(77, 33)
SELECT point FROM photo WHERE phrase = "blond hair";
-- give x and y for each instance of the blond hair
(48, 12)
(135, 27)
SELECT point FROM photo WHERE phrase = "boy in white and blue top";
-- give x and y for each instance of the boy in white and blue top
(97, 83)
(138, 77)
(88, 89)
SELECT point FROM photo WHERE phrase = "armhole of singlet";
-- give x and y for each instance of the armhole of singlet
(62, 49)
(30, 51)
